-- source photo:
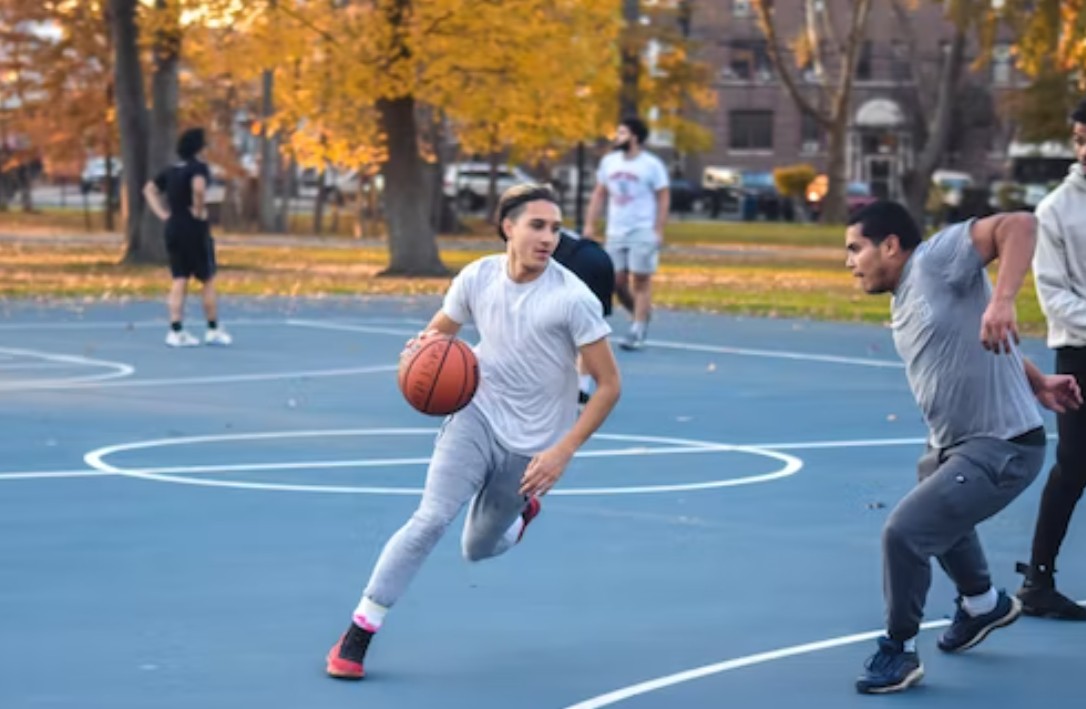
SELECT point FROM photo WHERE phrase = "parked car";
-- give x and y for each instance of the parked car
(857, 195)
(94, 174)
(469, 182)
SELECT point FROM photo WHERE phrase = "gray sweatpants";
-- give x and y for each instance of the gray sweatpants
(959, 488)
(469, 464)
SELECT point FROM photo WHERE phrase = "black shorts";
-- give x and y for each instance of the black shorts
(591, 264)
(191, 249)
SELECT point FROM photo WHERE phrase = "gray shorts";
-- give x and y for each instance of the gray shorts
(637, 252)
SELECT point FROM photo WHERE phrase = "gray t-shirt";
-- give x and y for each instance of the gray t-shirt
(963, 390)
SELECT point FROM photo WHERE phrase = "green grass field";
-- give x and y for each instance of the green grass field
(765, 285)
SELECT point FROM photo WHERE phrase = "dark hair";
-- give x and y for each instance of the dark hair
(514, 199)
(637, 127)
(881, 219)
(190, 143)
(1079, 114)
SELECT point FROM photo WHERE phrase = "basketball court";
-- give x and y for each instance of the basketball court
(192, 528)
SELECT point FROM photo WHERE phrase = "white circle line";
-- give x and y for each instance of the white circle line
(95, 460)
(635, 690)
(120, 370)
(800, 445)
(641, 688)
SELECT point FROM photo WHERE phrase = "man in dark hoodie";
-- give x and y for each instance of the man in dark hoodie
(1059, 267)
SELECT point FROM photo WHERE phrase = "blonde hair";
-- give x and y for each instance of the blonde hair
(514, 199)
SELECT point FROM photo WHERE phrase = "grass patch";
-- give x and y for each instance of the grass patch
(766, 286)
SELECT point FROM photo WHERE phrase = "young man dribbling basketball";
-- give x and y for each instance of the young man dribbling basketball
(512, 443)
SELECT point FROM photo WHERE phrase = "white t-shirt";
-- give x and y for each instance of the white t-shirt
(631, 188)
(529, 335)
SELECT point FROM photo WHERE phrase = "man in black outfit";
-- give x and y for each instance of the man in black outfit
(188, 236)
(589, 262)
(1059, 268)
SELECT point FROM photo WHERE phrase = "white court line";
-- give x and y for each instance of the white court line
(665, 344)
(230, 378)
(345, 327)
(392, 462)
(164, 324)
(398, 462)
(48, 474)
(32, 365)
(120, 370)
(778, 354)
(94, 459)
(636, 690)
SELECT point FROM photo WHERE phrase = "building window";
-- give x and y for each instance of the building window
(749, 60)
(1002, 65)
(751, 130)
(899, 66)
(863, 62)
(741, 8)
(810, 135)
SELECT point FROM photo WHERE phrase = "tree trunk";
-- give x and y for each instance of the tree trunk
(631, 60)
(132, 119)
(834, 204)
(287, 196)
(918, 182)
(411, 241)
(319, 200)
(162, 136)
(268, 157)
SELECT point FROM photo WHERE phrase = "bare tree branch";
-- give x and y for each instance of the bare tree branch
(829, 26)
(901, 13)
(773, 47)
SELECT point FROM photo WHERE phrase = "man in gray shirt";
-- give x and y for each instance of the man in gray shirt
(978, 395)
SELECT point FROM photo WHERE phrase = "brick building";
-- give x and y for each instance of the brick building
(757, 125)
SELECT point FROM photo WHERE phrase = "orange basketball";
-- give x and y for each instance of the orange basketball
(439, 375)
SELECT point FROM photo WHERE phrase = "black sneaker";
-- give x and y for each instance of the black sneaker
(345, 659)
(891, 669)
(966, 630)
(1040, 598)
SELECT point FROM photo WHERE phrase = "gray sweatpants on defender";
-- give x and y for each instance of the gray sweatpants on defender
(469, 464)
(959, 488)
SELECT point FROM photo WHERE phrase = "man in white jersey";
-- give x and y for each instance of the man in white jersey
(635, 186)
(512, 443)
(978, 395)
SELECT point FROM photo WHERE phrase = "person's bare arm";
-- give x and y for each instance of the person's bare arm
(154, 201)
(663, 205)
(595, 207)
(1011, 238)
(199, 197)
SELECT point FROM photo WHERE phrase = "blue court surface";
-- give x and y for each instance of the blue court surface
(192, 528)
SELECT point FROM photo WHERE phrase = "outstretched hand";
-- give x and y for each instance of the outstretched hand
(1059, 393)
(543, 471)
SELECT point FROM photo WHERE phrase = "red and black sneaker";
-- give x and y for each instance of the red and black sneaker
(531, 511)
(346, 656)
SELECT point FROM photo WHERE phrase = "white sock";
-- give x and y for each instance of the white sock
(514, 531)
(979, 605)
(638, 328)
(586, 383)
(910, 644)
(369, 615)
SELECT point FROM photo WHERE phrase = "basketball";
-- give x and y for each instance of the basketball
(438, 375)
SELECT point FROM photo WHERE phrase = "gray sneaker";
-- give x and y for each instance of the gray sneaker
(632, 342)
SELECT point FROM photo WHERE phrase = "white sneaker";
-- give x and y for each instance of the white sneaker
(180, 338)
(217, 336)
